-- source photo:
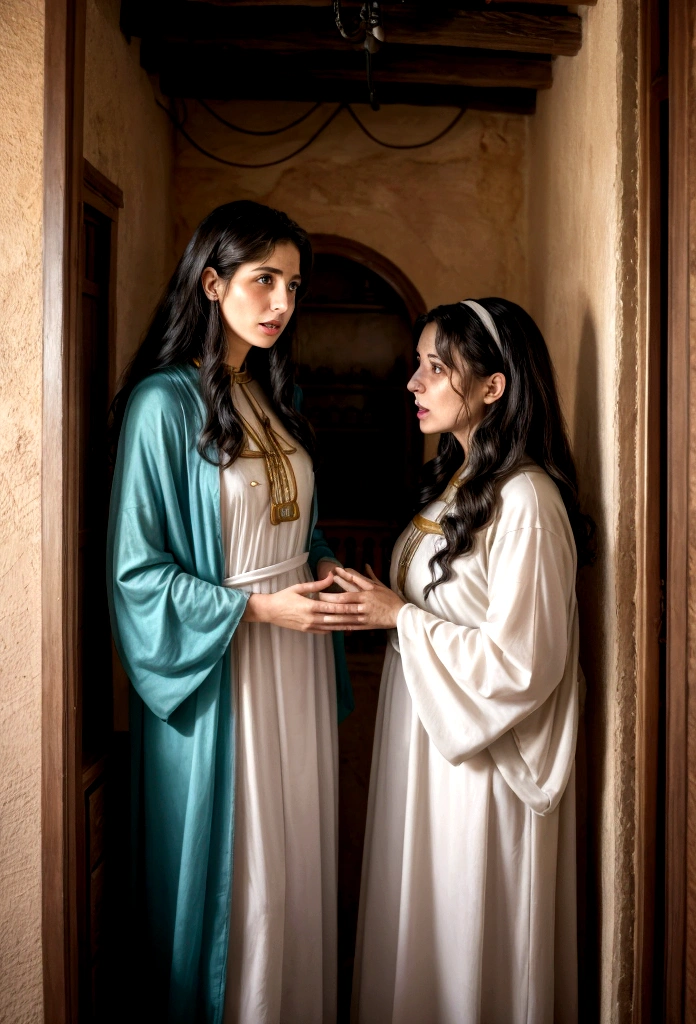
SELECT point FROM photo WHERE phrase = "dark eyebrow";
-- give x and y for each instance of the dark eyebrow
(275, 270)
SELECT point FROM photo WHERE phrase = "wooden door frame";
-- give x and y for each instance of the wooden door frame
(64, 65)
(680, 866)
(677, 899)
(650, 480)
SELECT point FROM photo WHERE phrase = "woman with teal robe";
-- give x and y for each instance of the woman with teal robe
(212, 548)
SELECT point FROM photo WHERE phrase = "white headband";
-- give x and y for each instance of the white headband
(485, 318)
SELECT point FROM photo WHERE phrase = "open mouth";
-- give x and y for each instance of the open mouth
(421, 411)
(271, 327)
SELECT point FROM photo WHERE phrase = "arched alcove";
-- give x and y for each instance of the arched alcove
(355, 355)
(371, 259)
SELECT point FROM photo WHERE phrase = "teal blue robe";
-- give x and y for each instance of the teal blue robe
(173, 623)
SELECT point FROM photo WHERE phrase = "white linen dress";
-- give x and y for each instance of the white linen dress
(468, 912)
(282, 948)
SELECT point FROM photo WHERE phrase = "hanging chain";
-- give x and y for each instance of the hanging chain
(370, 32)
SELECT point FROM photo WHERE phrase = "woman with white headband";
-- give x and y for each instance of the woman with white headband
(468, 911)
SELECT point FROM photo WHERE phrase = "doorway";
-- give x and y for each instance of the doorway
(56, 840)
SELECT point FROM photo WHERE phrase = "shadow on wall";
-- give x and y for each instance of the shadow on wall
(592, 738)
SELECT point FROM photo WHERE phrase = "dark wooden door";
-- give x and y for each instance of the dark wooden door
(95, 767)
(94, 683)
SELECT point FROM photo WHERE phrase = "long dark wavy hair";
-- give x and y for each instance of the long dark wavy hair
(526, 422)
(188, 326)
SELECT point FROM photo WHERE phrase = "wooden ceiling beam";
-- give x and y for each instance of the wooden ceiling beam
(497, 72)
(557, 34)
(398, 64)
(349, 4)
(213, 84)
(537, 3)
(284, 29)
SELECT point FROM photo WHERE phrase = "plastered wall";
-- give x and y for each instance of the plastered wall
(451, 215)
(128, 138)
(582, 290)
(21, 199)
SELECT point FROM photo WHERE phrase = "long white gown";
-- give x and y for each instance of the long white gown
(468, 912)
(282, 947)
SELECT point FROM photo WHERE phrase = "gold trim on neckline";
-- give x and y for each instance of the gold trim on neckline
(427, 525)
(420, 526)
(239, 376)
(274, 450)
(236, 376)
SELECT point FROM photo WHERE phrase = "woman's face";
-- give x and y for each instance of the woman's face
(438, 392)
(440, 408)
(258, 300)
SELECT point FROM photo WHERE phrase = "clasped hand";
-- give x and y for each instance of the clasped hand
(294, 607)
(366, 603)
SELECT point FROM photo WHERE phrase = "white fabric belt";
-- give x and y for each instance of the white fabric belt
(269, 572)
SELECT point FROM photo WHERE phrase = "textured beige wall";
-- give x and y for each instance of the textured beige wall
(21, 198)
(127, 137)
(582, 259)
(451, 216)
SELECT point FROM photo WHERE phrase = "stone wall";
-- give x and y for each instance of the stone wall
(21, 200)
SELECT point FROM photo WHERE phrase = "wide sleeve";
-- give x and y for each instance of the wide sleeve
(509, 684)
(171, 627)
